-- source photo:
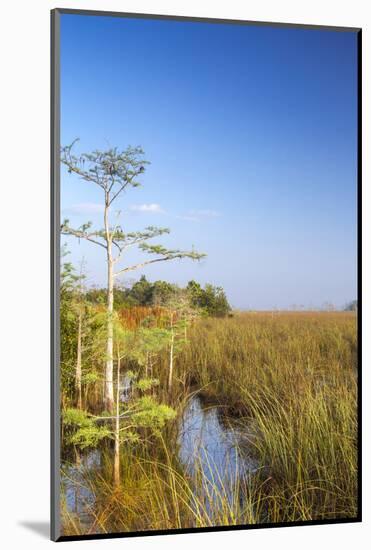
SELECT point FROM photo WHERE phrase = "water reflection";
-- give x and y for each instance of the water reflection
(79, 498)
(213, 450)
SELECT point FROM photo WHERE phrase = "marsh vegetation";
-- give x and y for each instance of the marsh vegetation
(177, 412)
(260, 427)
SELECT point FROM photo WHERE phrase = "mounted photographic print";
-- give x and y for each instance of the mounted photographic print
(205, 287)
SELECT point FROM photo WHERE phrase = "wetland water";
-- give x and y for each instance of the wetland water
(210, 446)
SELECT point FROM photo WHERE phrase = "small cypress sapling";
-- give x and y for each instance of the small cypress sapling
(115, 171)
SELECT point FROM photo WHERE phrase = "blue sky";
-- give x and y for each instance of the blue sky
(252, 136)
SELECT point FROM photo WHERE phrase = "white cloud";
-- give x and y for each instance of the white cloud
(147, 208)
(194, 215)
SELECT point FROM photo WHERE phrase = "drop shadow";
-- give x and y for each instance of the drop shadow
(41, 528)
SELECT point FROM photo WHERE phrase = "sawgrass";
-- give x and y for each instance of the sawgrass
(292, 379)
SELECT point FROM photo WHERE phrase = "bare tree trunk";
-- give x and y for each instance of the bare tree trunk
(78, 361)
(86, 393)
(109, 402)
(96, 392)
(150, 369)
(171, 363)
(108, 397)
(116, 465)
(150, 365)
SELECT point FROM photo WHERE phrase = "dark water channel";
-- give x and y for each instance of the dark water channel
(211, 447)
(217, 451)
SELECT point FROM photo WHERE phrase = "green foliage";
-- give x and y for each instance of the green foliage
(211, 299)
(129, 436)
(169, 254)
(145, 384)
(141, 292)
(68, 323)
(151, 414)
(89, 436)
(115, 171)
(162, 291)
(75, 306)
(90, 377)
(291, 381)
(148, 341)
(76, 418)
(112, 168)
(81, 429)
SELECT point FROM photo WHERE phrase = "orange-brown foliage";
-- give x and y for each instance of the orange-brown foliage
(134, 316)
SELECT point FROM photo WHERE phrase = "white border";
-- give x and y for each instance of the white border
(24, 197)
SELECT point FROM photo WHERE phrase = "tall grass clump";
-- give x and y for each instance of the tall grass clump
(289, 380)
(293, 377)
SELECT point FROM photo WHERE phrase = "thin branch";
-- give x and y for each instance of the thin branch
(138, 266)
(81, 235)
(135, 242)
(128, 181)
(118, 192)
(71, 165)
(120, 249)
(122, 415)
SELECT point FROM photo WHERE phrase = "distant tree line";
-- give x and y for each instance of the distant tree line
(210, 300)
(352, 306)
